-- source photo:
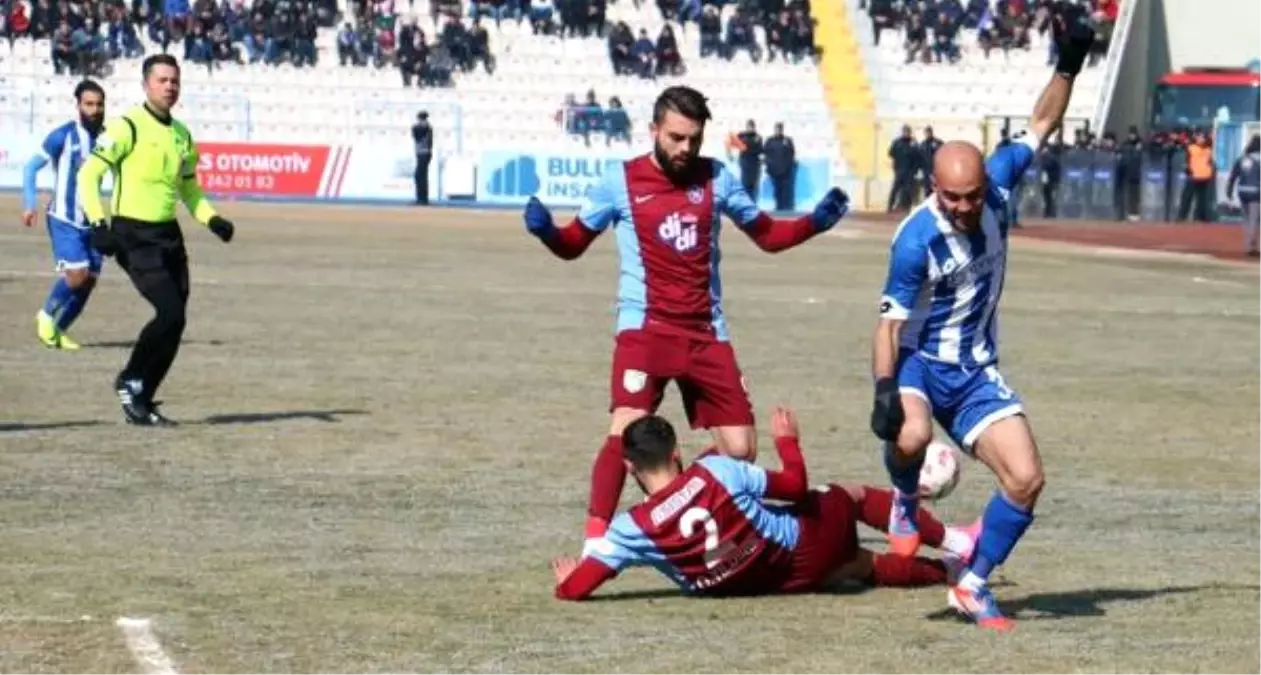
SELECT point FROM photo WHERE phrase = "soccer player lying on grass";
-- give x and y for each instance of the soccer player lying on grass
(708, 528)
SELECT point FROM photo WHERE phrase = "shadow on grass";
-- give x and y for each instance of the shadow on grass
(839, 588)
(1085, 602)
(327, 416)
(42, 426)
(128, 344)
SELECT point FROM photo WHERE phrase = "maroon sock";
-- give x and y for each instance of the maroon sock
(874, 511)
(608, 475)
(896, 570)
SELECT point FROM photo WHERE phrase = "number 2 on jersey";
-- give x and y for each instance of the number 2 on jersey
(701, 516)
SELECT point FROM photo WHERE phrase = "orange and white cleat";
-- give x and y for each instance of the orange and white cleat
(980, 606)
(904, 537)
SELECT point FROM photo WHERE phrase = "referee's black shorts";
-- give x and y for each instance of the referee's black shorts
(153, 255)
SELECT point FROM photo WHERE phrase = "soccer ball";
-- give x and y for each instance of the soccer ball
(940, 474)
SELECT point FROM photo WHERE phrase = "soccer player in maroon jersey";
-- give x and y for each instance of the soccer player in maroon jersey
(709, 530)
(665, 209)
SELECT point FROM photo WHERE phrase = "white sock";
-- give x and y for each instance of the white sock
(957, 542)
(972, 582)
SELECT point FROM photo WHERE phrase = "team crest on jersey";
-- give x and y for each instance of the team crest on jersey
(633, 381)
(680, 231)
(696, 194)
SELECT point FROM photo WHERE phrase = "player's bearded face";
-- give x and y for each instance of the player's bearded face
(676, 144)
(92, 111)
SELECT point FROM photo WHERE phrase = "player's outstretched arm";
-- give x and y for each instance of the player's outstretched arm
(790, 483)
(1073, 36)
(577, 580)
(775, 234)
(566, 243)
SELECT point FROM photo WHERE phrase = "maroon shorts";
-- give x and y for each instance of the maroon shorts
(709, 380)
(828, 539)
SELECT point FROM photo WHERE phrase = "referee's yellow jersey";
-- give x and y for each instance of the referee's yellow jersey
(154, 163)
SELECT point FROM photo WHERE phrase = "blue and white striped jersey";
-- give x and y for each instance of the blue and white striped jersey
(946, 284)
(66, 147)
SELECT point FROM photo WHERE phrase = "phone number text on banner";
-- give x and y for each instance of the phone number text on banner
(259, 169)
(507, 177)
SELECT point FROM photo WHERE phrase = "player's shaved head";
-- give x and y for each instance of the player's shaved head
(649, 443)
(959, 183)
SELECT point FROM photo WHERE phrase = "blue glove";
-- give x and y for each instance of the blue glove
(829, 210)
(538, 220)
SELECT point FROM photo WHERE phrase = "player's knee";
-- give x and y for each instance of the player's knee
(1023, 484)
(738, 448)
(171, 317)
(622, 418)
(79, 279)
(915, 436)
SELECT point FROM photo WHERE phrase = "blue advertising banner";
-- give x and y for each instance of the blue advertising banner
(506, 177)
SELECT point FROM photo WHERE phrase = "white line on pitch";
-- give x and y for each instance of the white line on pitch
(144, 646)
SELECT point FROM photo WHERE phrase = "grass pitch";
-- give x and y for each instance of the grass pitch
(389, 421)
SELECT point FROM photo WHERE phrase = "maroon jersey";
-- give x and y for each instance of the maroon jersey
(667, 239)
(709, 531)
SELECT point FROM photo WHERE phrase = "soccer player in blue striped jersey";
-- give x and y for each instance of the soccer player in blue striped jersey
(78, 264)
(935, 351)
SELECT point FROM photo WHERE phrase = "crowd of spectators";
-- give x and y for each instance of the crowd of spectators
(930, 29)
(85, 35)
(787, 24)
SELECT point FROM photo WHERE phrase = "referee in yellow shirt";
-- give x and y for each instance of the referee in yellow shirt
(154, 164)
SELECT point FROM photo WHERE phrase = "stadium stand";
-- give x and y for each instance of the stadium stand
(515, 82)
(513, 106)
(989, 64)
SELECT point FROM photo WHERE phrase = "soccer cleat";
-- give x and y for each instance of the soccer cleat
(980, 606)
(137, 408)
(904, 536)
(65, 342)
(46, 330)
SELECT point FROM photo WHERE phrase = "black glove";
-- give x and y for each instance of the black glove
(1073, 36)
(886, 411)
(222, 227)
(103, 238)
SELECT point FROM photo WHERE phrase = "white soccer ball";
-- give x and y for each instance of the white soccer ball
(940, 474)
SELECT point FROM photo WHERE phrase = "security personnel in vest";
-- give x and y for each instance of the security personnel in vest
(1201, 184)
(153, 161)
(1245, 177)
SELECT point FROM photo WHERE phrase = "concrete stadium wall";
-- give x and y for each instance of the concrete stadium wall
(1212, 32)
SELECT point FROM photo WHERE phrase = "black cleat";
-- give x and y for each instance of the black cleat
(137, 408)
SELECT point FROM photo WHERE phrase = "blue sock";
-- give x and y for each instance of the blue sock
(73, 307)
(1004, 524)
(905, 478)
(57, 297)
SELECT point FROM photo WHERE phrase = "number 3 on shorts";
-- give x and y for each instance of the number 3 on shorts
(1004, 392)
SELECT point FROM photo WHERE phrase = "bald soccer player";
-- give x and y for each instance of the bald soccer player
(935, 351)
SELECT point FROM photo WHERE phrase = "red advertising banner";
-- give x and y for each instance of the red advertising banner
(264, 169)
